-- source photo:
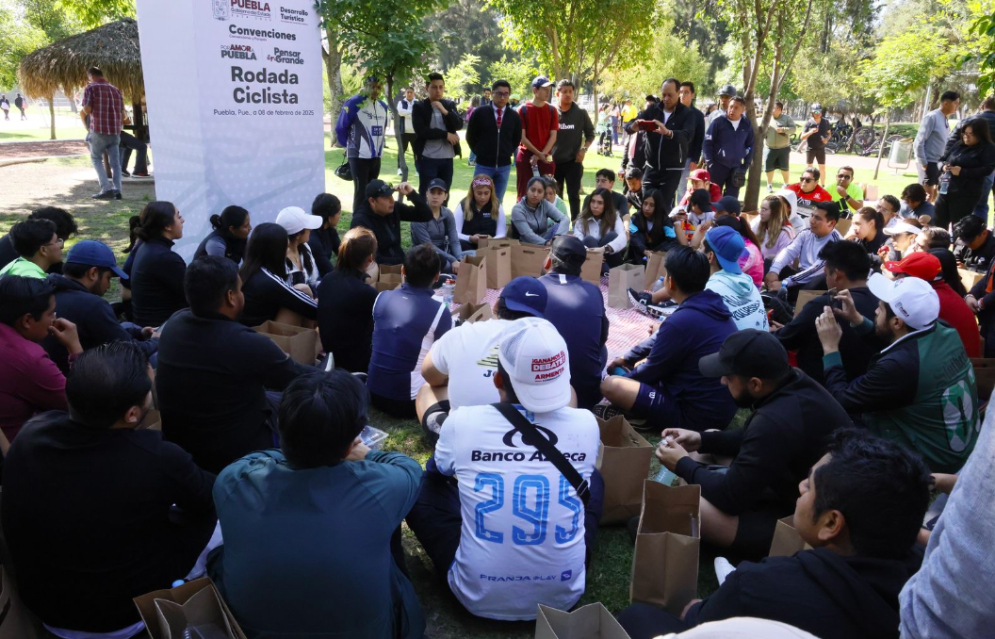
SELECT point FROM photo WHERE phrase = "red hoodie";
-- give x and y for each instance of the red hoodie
(955, 311)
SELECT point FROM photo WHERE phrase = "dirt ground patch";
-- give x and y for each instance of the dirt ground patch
(21, 150)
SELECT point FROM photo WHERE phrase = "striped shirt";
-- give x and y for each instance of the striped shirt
(106, 107)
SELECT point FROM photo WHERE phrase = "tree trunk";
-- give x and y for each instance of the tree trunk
(51, 113)
(333, 63)
(887, 118)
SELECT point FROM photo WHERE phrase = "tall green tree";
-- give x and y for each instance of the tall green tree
(93, 13)
(466, 27)
(19, 38)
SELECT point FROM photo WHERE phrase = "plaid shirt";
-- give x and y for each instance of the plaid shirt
(107, 107)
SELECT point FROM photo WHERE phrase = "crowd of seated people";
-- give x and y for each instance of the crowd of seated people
(843, 413)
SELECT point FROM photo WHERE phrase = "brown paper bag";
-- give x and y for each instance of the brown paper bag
(624, 462)
(498, 265)
(470, 313)
(152, 421)
(621, 279)
(592, 621)
(471, 281)
(168, 599)
(804, 297)
(380, 287)
(300, 343)
(591, 270)
(969, 277)
(501, 242)
(391, 274)
(787, 541)
(665, 563)
(655, 267)
(528, 260)
(843, 225)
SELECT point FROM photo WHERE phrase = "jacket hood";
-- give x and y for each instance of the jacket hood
(63, 283)
(866, 587)
(791, 197)
(737, 285)
(709, 303)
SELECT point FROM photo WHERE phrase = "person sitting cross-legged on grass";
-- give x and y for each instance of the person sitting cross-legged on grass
(498, 517)
(860, 509)
(792, 419)
(667, 390)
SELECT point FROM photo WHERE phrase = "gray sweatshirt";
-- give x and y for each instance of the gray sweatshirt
(441, 234)
(531, 225)
(932, 137)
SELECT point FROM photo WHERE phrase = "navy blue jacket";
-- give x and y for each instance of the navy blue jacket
(94, 319)
(728, 146)
(697, 328)
(156, 282)
(694, 149)
(577, 310)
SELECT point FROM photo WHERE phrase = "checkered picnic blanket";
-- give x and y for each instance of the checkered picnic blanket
(627, 327)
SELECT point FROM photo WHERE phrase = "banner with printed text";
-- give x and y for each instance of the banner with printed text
(234, 96)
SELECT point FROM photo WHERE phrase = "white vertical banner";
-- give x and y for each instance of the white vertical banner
(234, 96)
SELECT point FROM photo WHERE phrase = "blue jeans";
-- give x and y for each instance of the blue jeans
(981, 210)
(110, 143)
(500, 175)
(431, 168)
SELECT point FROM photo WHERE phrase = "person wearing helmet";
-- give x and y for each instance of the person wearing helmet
(816, 133)
(725, 94)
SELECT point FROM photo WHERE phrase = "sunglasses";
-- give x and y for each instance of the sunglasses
(844, 176)
(805, 179)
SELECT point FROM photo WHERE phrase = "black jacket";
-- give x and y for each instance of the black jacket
(234, 248)
(694, 148)
(324, 245)
(977, 259)
(387, 228)
(94, 319)
(494, 147)
(86, 513)
(661, 152)
(266, 293)
(782, 439)
(976, 163)
(826, 594)
(345, 319)
(641, 239)
(156, 282)
(211, 381)
(421, 120)
(855, 350)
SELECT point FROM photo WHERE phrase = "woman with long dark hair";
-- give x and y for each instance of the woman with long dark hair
(302, 268)
(231, 230)
(600, 225)
(345, 303)
(157, 272)
(324, 240)
(868, 225)
(966, 163)
(650, 228)
(268, 296)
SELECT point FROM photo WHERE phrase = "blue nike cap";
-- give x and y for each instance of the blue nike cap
(525, 295)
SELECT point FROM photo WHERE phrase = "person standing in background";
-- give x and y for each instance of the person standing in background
(725, 94)
(575, 137)
(494, 134)
(816, 133)
(931, 140)
(103, 115)
(436, 123)
(540, 123)
(404, 107)
(360, 129)
(687, 95)
(21, 104)
(778, 141)
(5, 107)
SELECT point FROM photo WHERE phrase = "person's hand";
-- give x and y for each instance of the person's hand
(453, 138)
(580, 155)
(688, 607)
(972, 303)
(438, 107)
(775, 326)
(923, 167)
(661, 128)
(618, 362)
(359, 450)
(475, 239)
(829, 331)
(841, 190)
(534, 160)
(456, 266)
(669, 453)
(148, 332)
(693, 166)
(548, 159)
(654, 328)
(884, 251)
(954, 170)
(688, 439)
(65, 331)
(621, 173)
(771, 279)
(404, 188)
(944, 483)
(848, 310)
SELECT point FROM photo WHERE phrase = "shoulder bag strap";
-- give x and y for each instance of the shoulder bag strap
(532, 437)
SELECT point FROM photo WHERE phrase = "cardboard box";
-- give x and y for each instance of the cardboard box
(501, 242)
(970, 277)
(300, 343)
(380, 287)
(470, 313)
(180, 595)
(592, 621)
(804, 297)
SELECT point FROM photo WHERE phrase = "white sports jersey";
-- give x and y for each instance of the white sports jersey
(469, 355)
(522, 541)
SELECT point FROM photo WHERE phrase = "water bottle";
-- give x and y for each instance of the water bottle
(658, 284)
(447, 293)
(535, 170)
(944, 182)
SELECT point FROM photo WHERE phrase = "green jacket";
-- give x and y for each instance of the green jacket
(775, 140)
(23, 268)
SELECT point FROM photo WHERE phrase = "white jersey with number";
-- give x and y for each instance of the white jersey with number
(522, 541)
(469, 356)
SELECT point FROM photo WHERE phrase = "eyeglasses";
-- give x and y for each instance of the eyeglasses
(500, 94)
(805, 179)
(58, 242)
(843, 176)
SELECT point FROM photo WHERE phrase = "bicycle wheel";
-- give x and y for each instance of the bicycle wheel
(864, 137)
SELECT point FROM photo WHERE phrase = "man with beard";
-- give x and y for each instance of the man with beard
(785, 435)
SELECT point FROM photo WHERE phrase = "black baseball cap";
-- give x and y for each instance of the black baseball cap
(379, 188)
(438, 183)
(569, 250)
(747, 353)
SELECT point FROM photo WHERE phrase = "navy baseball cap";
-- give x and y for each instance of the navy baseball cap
(541, 81)
(728, 245)
(525, 295)
(569, 249)
(729, 204)
(94, 253)
(379, 188)
(438, 183)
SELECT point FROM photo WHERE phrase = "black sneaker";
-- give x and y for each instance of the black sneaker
(117, 195)
(638, 300)
(125, 173)
(606, 411)
(432, 425)
(106, 195)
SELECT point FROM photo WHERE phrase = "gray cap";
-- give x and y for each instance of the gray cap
(728, 90)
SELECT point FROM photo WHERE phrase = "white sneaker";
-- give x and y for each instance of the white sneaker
(723, 569)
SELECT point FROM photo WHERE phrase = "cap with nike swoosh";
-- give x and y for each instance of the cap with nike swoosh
(525, 295)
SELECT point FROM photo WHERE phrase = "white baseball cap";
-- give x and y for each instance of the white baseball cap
(902, 227)
(295, 220)
(534, 356)
(911, 299)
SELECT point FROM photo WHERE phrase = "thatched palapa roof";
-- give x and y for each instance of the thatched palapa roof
(62, 65)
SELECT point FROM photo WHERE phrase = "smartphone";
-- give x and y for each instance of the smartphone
(646, 125)
(833, 302)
